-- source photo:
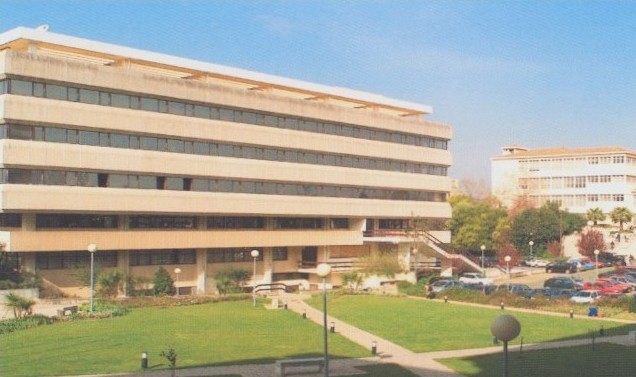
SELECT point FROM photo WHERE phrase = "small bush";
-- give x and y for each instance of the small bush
(12, 325)
(163, 283)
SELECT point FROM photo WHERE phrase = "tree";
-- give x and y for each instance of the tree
(352, 280)
(110, 283)
(21, 306)
(590, 241)
(473, 223)
(381, 263)
(543, 225)
(511, 251)
(163, 283)
(554, 248)
(230, 279)
(595, 215)
(621, 215)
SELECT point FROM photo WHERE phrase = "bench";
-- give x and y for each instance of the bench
(70, 309)
(282, 365)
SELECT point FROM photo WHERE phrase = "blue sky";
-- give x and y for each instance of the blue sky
(536, 73)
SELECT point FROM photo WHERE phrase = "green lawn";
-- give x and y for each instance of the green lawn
(221, 333)
(604, 360)
(423, 325)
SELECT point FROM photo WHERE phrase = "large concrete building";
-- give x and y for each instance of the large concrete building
(160, 160)
(576, 178)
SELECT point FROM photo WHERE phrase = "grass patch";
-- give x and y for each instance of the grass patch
(425, 326)
(582, 361)
(207, 334)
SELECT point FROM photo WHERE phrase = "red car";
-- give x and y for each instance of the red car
(606, 288)
(624, 287)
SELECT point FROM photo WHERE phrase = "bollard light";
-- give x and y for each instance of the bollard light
(144, 360)
(501, 304)
(305, 314)
(332, 327)
(374, 348)
(445, 298)
(571, 313)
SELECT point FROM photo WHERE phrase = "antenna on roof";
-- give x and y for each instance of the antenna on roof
(43, 27)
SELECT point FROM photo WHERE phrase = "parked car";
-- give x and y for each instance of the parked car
(441, 285)
(519, 289)
(586, 296)
(582, 264)
(474, 278)
(562, 282)
(537, 263)
(561, 266)
(605, 287)
(550, 293)
(625, 279)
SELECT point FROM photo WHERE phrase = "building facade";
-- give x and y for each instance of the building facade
(576, 178)
(165, 161)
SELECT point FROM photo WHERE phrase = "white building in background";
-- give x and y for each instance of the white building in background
(577, 178)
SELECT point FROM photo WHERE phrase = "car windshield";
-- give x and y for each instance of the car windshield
(584, 294)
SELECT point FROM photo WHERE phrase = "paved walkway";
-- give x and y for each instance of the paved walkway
(421, 364)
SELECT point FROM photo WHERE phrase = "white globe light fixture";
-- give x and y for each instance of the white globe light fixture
(505, 328)
(482, 247)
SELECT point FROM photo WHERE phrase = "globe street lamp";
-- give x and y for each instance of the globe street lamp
(596, 253)
(323, 270)
(177, 271)
(92, 248)
(255, 253)
(505, 328)
(482, 247)
(507, 259)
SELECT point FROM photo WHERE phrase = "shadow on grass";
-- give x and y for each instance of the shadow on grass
(603, 359)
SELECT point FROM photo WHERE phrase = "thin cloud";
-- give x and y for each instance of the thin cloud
(276, 25)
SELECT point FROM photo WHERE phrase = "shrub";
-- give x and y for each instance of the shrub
(21, 306)
(230, 280)
(109, 283)
(12, 325)
(163, 283)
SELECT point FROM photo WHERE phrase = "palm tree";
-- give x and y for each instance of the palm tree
(596, 215)
(621, 215)
(22, 306)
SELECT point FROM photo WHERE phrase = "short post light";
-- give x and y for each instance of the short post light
(177, 271)
(507, 258)
(92, 248)
(323, 270)
(596, 253)
(505, 328)
(144, 360)
(374, 348)
(482, 247)
(332, 327)
(255, 253)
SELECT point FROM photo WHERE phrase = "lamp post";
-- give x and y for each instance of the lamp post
(507, 259)
(323, 270)
(531, 243)
(505, 328)
(596, 253)
(414, 252)
(177, 271)
(482, 247)
(255, 253)
(92, 248)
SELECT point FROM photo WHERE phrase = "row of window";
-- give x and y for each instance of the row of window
(63, 220)
(77, 259)
(117, 140)
(571, 182)
(90, 179)
(576, 200)
(108, 98)
(573, 162)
